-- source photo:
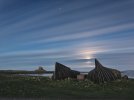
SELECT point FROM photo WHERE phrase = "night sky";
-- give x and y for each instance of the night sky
(73, 32)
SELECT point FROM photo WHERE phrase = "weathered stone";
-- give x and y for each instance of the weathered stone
(102, 74)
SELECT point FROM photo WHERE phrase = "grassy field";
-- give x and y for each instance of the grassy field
(41, 87)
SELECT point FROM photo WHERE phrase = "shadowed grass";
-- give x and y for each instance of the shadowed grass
(42, 87)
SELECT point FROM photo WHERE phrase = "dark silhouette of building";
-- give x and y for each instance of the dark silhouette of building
(63, 72)
(101, 74)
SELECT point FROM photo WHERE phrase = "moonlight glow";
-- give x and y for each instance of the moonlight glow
(41, 32)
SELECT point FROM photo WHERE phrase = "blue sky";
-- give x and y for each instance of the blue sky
(73, 32)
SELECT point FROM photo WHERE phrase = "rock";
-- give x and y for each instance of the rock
(40, 70)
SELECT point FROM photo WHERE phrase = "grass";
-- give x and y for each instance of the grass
(41, 87)
(24, 72)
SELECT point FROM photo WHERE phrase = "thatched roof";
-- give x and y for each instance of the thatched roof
(63, 72)
(101, 74)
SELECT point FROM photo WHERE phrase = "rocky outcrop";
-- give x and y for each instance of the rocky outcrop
(63, 72)
(40, 70)
(102, 74)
